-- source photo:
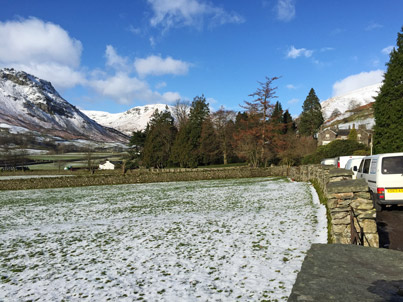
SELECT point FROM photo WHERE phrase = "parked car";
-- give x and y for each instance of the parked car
(384, 176)
(353, 164)
(342, 160)
(329, 161)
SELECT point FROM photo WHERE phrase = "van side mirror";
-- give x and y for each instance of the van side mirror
(355, 169)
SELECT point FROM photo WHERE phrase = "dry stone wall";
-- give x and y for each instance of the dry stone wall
(348, 202)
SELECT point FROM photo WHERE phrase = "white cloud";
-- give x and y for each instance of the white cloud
(126, 90)
(41, 48)
(134, 30)
(294, 53)
(373, 25)
(387, 50)
(291, 86)
(114, 60)
(293, 101)
(160, 85)
(177, 13)
(155, 65)
(285, 10)
(357, 81)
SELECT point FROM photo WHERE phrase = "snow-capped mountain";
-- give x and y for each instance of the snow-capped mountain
(356, 98)
(32, 103)
(131, 120)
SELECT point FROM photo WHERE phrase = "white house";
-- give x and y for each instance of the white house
(107, 166)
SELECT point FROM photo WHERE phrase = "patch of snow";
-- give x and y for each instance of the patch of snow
(131, 120)
(360, 96)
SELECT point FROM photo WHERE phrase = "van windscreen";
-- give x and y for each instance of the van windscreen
(392, 165)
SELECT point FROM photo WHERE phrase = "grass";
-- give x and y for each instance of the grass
(216, 240)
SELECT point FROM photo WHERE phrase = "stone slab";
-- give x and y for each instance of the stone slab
(337, 272)
(347, 186)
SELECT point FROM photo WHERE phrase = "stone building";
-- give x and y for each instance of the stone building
(327, 135)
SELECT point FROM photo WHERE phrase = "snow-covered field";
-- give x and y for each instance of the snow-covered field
(221, 240)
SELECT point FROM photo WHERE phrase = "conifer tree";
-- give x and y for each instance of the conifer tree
(311, 117)
(388, 106)
(159, 141)
(186, 151)
(289, 124)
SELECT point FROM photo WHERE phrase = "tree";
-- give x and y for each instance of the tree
(352, 135)
(185, 151)
(159, 141)
(223, 123)
(181, 113)
(311, 117)
(388, 106)
(335, 113)
(259, 111)
(209, 150)
(289, 124)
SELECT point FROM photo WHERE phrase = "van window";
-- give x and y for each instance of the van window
(366, 166)
(392, 165)
(373, 166)
(361, 165)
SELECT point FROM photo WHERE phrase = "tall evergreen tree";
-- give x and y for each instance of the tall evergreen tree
(209, 150)
(289, 124)
(159, 141)
(311, 117)
(186, 147)
(388, 106)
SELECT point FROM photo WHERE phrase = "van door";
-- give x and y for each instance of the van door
(391, 177)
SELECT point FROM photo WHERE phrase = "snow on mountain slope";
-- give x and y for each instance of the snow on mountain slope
(132, 120)
(358, 97)
(29, 102)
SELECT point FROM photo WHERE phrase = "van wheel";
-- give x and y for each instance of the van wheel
(378, 207)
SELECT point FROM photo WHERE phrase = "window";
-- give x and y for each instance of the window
(366, 166)
(361, 166)
(327, 135)
(392, 165)
(373, 166)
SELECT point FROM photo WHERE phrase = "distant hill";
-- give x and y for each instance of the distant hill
(31, 105)
(354, 107)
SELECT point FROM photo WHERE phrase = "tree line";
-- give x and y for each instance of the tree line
(261, 135)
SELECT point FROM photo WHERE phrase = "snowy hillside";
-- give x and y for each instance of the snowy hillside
(31, 103)
(344, 102)
(132, 120)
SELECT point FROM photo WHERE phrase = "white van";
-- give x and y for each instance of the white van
(384, 176)
(342, 160)
(353, 165)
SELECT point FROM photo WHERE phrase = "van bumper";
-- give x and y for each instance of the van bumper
(386, 202)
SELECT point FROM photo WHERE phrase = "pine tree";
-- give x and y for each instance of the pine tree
(388, 106)
(289, 124)
(186, 151)
(311, 117)
(209, 144)
(159, 141)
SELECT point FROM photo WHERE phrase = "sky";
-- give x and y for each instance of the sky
(115, 55)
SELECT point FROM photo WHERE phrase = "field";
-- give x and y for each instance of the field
(221, 240)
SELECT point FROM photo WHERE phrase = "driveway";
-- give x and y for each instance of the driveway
(390, 228)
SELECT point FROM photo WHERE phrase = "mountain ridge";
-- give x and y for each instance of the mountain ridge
(32, 103)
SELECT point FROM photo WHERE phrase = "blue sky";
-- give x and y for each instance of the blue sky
(114, 55)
